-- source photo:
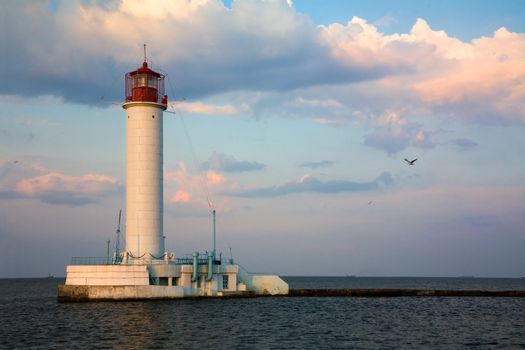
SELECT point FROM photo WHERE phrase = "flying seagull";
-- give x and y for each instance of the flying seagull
(410, 162)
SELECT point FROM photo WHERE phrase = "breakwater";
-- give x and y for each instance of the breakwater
(82, 293)
(381, 292)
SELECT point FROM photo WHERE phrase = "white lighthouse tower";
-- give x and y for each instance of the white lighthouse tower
(144, 105)
(145, 270)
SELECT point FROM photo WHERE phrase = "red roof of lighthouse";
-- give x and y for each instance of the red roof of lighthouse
(145, 70)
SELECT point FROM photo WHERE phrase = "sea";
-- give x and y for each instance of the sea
(31, 318)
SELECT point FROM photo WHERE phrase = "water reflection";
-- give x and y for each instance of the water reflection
(30, 317)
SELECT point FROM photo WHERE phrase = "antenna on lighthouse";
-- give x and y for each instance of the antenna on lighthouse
(145, 58)
(117, 240)
(213, 212)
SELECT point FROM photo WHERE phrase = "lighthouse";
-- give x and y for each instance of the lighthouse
(145, 270)
(144, 105)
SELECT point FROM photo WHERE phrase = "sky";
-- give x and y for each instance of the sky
(295, 116)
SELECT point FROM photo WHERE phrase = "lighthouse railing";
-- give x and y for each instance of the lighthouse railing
(99, 260)
(90, 260)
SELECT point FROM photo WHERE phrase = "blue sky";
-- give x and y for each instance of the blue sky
(299, 115)
(467, 19)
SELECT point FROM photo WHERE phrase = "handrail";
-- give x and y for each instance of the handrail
(92, 260)
(189, 261)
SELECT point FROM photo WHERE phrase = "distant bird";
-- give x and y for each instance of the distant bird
(370, 203)
(410, 162)
(16, 161)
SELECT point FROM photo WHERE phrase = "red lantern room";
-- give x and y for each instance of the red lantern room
(145, 85)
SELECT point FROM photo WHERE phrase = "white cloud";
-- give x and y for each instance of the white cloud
(393, 132)
(479, 81)
(385, 21)
(88, 184)
(318, 164)
(328, 103)
(441, 70)
(310, 184)
(329, 121)
(207, 108)
(262, 46)
(464, 144)
(57, 188)
(183, 188)
(24, 178)
(226, 163)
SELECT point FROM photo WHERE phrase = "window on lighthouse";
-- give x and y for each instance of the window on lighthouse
(144, 80)
(152, 82)
(140, 80)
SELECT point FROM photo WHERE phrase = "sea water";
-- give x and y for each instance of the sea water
(31, 318)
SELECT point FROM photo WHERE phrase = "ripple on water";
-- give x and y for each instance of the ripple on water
(31, 318)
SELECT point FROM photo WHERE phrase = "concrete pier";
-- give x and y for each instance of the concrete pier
(69, 293)
(385, 293)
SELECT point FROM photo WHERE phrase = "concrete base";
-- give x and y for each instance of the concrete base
(161, 280)
(72, 293)
(107, 275)
(263, 284)
(101, 293)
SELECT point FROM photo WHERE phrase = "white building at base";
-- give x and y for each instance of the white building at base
(145, 270)
(165, 279)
